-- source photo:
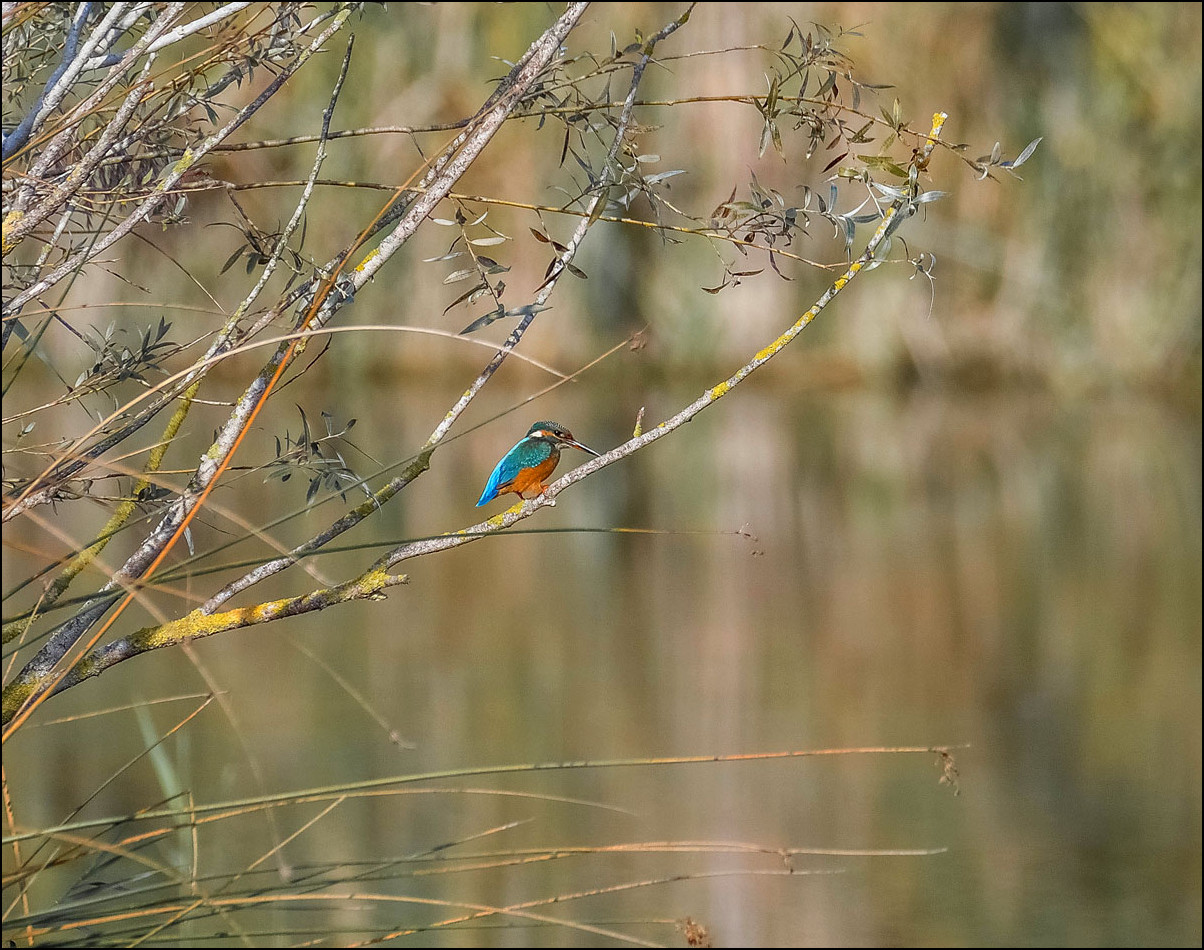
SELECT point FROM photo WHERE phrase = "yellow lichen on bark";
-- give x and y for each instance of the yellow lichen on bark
(10, 221)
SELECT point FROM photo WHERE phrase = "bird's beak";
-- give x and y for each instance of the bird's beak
(577, 445)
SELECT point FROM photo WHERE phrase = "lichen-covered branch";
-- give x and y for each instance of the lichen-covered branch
(897, 212)
(75, 461)
(368, 586)
(119, 517)
(421, 461)
(892, 217)
(466, 148)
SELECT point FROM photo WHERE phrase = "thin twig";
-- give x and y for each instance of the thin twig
(33, 493)
(38, 676)
(180, 32)
(198, 624)
(50, 155)
(175, 173)
(524, 509)
(422, 458)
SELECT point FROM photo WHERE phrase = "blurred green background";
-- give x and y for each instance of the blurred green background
(974, 507)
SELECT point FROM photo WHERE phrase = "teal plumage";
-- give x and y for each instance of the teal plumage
(531, 460)
(527, 453)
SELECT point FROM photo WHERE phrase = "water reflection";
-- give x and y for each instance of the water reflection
(1007, 571)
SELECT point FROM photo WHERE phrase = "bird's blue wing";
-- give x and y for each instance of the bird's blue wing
(504, 471)
(526, 453)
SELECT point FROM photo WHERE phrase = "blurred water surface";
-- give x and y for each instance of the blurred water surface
(1007, 572)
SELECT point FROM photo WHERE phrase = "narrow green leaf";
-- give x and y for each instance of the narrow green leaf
(1027, 153)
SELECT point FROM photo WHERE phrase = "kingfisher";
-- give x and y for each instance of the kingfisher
(525, 466)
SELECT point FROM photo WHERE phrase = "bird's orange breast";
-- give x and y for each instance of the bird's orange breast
(529, 479)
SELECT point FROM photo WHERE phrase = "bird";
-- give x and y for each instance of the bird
(525, 466)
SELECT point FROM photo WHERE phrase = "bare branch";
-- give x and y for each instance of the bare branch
(177, 171)
(34, 493)
(180, 32)
(151, 551)
(421, 461)
(197, 624)
(64, 77)
(898, 211)
(81, 170)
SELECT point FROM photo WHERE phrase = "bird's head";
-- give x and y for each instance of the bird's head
(558, 434)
